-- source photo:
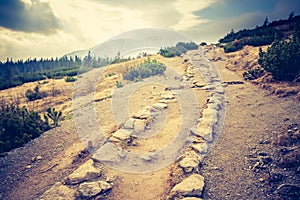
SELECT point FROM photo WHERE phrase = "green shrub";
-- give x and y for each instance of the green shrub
(166, 53)
(35, 94)
(232, 47)
(253, 74)
(282, 59)
(54, 115)
(181, 47)
(145, 70)
(119, 84)
(70, 79)
(18, 126)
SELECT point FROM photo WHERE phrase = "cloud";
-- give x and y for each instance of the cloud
(225, 20)
(28, 16)
(178, 14)
(187, 9)
(284, 7)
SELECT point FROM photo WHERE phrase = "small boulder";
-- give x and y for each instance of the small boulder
(167, 95)
(189, 164)
(139, 125)
(203, 132)
(58, 192)
(122, 134)
(190, 186)
(91, 189)
(200, 147)
(109, 153)
(85, 172)
(142, 114)
(167, 101)
(160, 106)
(129, 124)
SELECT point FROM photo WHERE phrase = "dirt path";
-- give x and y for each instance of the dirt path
(28, 172)
(252, 117)
(253, 120)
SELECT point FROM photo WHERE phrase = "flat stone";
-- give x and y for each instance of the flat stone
(59, 192)
(205, 133)
(189, 164)
(167, 95)
(122, 134)
(200, 147)
(108, 153)
(91, 189)
(85, 172)
(142, 114)
(160, 106)
(129, 124)
(190, 186)
(150, 108)
(139, 125)
(167, 101)
(210, 113)
(215, 106)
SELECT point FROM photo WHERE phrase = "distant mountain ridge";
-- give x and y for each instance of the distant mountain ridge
(139, 40)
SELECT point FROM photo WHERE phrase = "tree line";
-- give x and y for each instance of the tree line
(265, 34)
(14, 73)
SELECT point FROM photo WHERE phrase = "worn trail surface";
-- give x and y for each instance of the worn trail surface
(252, 117)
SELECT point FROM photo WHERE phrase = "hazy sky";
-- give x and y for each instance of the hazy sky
(35, 28)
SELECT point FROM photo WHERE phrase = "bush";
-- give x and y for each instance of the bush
(145, 70)
(282, 59)
(36, 94)
(18, 126)
(119, 84)
(70, 79)
(54, 115)
(253, 74)
(232, 47)
(181, 47)
(166, 53)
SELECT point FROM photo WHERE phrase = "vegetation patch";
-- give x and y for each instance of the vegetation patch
(261, 35)
(282, 59)
(35, 94)
(70, 79)
(145, 70)
(15, 73)
(180, 48)
(254, 73)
